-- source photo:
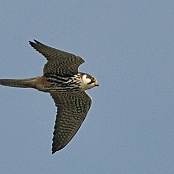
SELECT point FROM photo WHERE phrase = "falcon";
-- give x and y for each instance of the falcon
(67, 88)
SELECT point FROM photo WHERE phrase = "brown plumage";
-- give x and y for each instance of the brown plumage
(73, 108)
(59, 62)
(66, 86)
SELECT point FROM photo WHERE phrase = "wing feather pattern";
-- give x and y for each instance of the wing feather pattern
(72, 108)
(59, 62)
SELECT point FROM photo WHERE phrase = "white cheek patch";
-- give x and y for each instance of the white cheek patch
(85, 79)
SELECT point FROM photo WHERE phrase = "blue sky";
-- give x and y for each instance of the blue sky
(128, 46)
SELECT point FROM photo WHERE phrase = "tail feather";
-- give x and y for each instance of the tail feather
(21, 83)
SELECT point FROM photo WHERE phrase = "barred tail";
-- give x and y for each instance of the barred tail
(20, 83)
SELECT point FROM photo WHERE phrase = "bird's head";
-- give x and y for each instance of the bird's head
(88, 81)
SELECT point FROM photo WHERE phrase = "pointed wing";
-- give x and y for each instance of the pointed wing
(72, 108)
(59, 62)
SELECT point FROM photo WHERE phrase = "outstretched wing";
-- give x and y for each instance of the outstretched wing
(59, 62)
(72, 108)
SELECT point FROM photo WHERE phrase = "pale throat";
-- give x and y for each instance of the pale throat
(85, 82)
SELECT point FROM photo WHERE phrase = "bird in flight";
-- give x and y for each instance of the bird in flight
(67, 88)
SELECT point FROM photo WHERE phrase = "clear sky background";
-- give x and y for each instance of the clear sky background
(128, 46)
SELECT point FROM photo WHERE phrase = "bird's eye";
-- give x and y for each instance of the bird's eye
(92, 80)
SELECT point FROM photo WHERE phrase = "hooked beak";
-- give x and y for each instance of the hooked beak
(96, 83)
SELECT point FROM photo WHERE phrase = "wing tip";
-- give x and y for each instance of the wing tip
(55, 149)
(35, 42)
(53, 152)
